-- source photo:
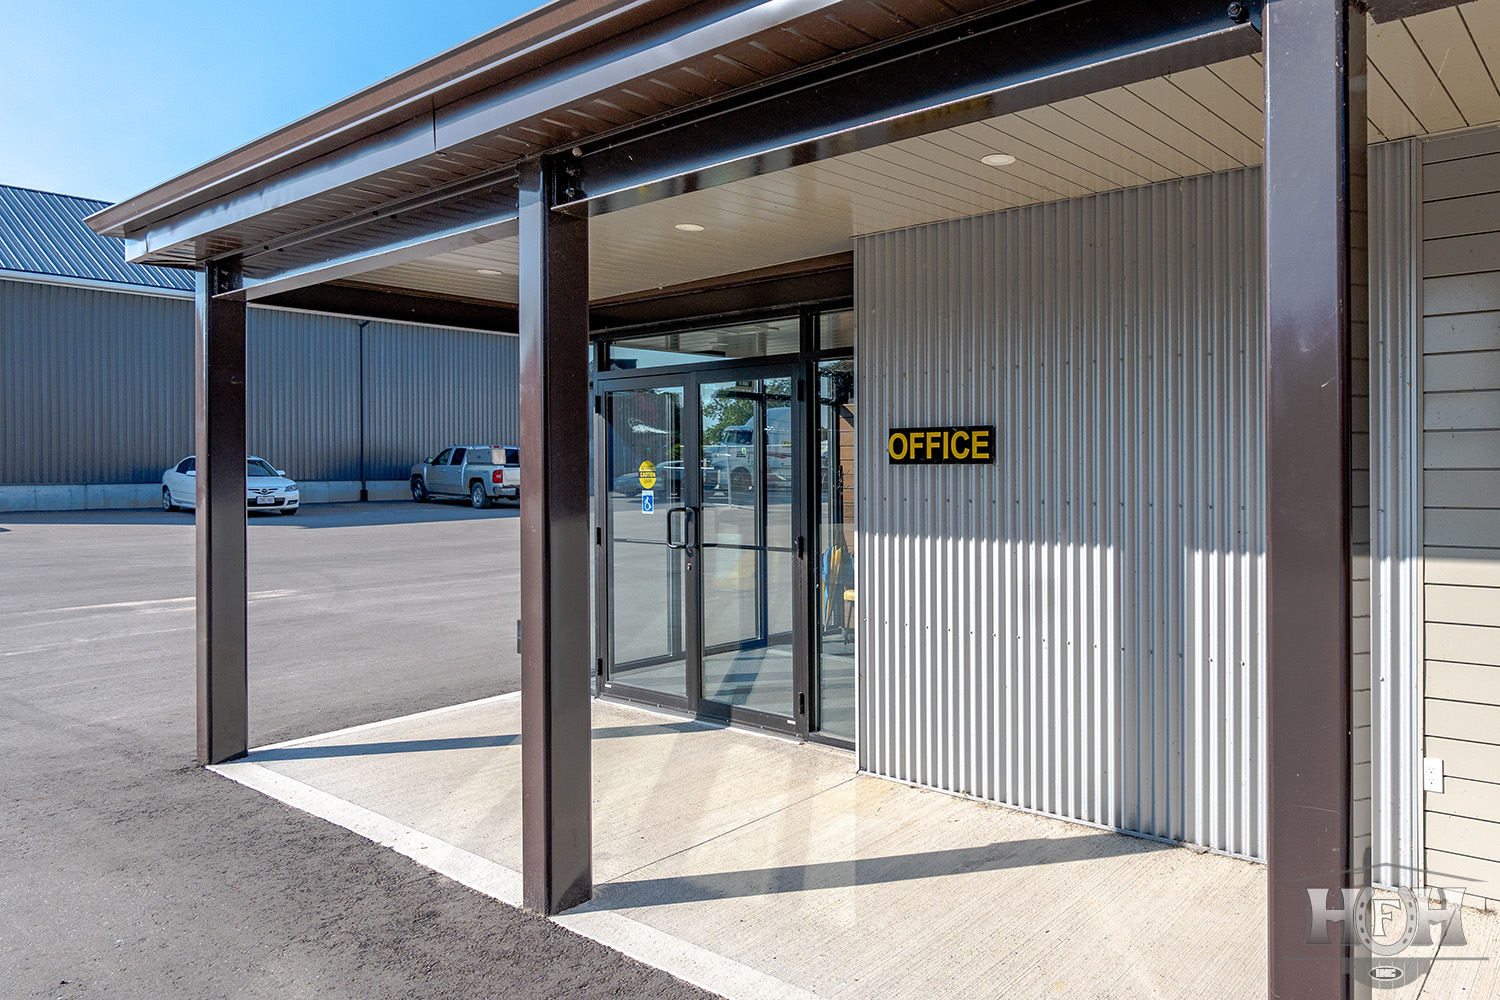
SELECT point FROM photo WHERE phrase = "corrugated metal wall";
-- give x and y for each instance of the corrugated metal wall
(302, 393)
(1359, 513)
(97, 387)
(1392, 780)
(1077, 629)
(428, 388)
(90, 384)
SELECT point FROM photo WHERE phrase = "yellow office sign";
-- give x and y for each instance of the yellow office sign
(648, 475)
(941, 446)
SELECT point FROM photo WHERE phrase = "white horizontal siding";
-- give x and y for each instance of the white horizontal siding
(1461, 516)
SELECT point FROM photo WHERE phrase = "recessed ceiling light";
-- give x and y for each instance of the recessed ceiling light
(690, 227)
(489, 272)
(997, 160)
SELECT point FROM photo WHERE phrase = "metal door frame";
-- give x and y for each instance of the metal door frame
(604, 576)
(812, 477)
(690, 378)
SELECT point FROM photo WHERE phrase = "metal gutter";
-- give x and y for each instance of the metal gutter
(95, 284)
(701, 31)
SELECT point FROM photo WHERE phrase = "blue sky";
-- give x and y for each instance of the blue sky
(106, 99)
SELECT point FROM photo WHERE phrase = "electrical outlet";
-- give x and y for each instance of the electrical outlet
(1432, 774)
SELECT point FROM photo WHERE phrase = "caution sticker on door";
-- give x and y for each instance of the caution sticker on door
(648, 475)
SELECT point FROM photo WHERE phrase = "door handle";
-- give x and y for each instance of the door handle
(682, 528)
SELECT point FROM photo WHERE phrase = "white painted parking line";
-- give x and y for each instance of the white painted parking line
(84, 640)
(462, 866)
(259, 595)
(683, 959)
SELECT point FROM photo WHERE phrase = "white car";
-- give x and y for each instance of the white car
(266, 488)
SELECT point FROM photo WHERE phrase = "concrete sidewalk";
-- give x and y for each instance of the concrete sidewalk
(757, 868)
(131, 873)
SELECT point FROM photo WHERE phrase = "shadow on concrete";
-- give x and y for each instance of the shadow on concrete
(376, 512)
(655, 729)
(375, 749)
(455, 743)
(867, 871)
(322, 515)
(144, 516)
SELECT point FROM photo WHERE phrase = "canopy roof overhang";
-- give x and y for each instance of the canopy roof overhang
(786, 129)
(698, 98)
(794, 126)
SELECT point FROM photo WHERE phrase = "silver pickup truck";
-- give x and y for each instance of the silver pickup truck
(482, 472)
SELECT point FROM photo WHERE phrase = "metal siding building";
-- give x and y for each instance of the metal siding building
(1076, 629)
(95, 386)
(1231, 579)
(96, 375)
(426, 387)
(44, 233)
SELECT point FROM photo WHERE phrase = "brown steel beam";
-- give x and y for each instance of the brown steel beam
(820, 279)
(1315, 270)
(556, 819)
(405, 305)
(219, 383)
(1001, 60)
(802, 282)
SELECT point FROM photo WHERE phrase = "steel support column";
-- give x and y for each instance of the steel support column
(557, 834)
(219, 383)
(1316, 264)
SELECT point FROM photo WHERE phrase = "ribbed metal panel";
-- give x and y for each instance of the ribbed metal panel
(1359, 516)
(1395, 774)
(95, 387)
(1077, 629)
(302, 393)
(425, 389)
(44, 233)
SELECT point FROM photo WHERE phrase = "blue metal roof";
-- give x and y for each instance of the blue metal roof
(44, 233)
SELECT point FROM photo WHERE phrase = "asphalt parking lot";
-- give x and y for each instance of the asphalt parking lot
(130, 872)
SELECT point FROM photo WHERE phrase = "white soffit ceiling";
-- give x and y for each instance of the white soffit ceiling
(1432, 73)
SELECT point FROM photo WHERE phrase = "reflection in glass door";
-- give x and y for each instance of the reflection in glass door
(702, 567)
(836, 597)
(746, 536)
(647, 576)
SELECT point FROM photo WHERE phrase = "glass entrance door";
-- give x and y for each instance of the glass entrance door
(701, 560)
(747, 538)
(648, 608)
(835, 513)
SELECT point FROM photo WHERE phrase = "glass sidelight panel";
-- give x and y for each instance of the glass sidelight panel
(836, 597)
(648, 595)
(746, 539)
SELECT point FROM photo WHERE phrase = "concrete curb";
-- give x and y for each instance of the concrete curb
(122, 496)
(683, 959)
(389, 489)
